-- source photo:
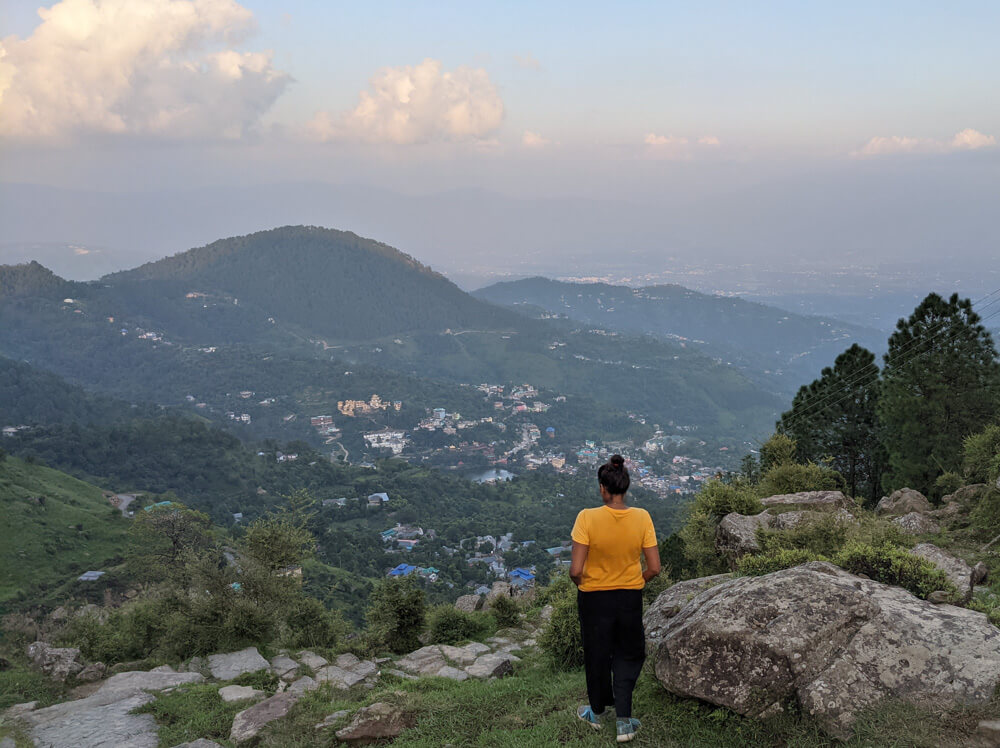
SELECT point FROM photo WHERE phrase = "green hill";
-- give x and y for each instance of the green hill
(332, 283)
(55, 527)
(790, 347)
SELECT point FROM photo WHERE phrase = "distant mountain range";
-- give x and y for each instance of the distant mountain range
(295, 297)
(790, 349)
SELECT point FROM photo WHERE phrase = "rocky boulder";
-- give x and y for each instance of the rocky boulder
(234, 664)
(958, 572)
(820, 501)
(916, 523)
(377, 722)
(58, 663)
(495, 665)
(736, 535)
(671, 601)
(312, 660)
(424, 661)
(251, 721)
(239, 693)
(285, 667)
(469, 603)
(903, 501)
(831, 642)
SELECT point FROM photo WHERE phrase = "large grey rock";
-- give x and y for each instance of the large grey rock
(495, 665)
(828, 640)
(58, 663)
(903, 501)
(378, 722)
(469, 603)
(424, 661)
(239, 693)
(303, 684)
(234, 664)
(331, 719)
(285, 667)
(452, 672)
(460, 655)
(736, 535)
(312, 660)
(338, 677)
(669, 602)
(916, 523)
(103, 719)
(251, 721)
(364, 668)
(94, 671)
(822, 501)
(793, 519)
(346, 661)
(958, 572)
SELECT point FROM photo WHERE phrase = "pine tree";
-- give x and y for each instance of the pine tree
(941, 383)
(834, 418)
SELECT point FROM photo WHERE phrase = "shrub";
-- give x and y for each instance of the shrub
(776, 560)
(792, 478)
(823, 535)
(718, 499)
(310, 624)
(778, 450)
(18, 685)
(989, 604)
(448, 625)
(713, 502)
(396, 613)
(986, 513)
(506, 612)
(561, 641)
(893, 565)
(947, 483)
(981, 455)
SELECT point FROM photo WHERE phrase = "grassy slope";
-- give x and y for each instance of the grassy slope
(74, 531)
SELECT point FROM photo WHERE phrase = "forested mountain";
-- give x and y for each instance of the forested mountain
(332, 283)
(756, 336)
(29, 279)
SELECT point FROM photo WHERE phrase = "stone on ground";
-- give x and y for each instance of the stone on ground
(338, 677)
(131, 682)
(94, 671)
(312, 660)
(958, 572)
(303, 684)
(239, 693)
(330, 719)
(988, 731)
(903, 501)
(58, 663)
(251, 721)
(285, 667)
(379, 721)
(469, 603)
(736, 534)
(495, 665)
(234, 664)
(826, 639)
(915, 523)
(828, 501)
(671, 600)
(424, 661)
(459, 655)
(452, 672)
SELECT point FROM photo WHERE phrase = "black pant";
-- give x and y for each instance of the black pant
(614, 647)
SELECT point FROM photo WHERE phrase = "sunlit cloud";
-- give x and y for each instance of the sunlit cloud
(534, 140)
(967, 139)
(165, 68)
(709, 140)
(418, 104)
(660, 141)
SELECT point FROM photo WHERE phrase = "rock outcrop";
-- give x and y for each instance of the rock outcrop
(915, 523)
(234, 664)
(670, 602)
(58, 663)
(819, 501)
(378, 722)
(820, 637)
(251, 721)
(958, 572)
(903, 501)
(736, 535)
(469, 603)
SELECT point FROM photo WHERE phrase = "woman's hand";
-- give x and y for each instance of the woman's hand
(652, 555)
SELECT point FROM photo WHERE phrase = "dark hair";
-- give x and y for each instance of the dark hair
(613, 475)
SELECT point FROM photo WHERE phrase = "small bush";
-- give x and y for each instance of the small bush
(986, 513)
(506, 612)
(311, 625)
(823, 535)
(561, 641)
(192, 712)
(396, 613)
(785, 558)
(792, 478)
(262, 680)
(718, 499)
(981, 455)
(448, 625)
(947, 483)
(893, 565)
(18, 685)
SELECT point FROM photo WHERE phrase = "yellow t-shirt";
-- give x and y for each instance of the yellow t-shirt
(616, 538)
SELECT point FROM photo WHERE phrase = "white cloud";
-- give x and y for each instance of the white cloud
(972, 139)
(145, 67)
(528, 62)
(709, 140)
(967, 139)
(660, 141)
(418, 104)
(534, 140)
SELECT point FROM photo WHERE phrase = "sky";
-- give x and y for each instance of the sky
(698, 130)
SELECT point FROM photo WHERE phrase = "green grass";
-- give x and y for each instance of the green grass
(21, 683)
(537, 707)
(47, 544)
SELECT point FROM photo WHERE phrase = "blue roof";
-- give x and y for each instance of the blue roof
(158, 503)
(402, 570)
(521, 573)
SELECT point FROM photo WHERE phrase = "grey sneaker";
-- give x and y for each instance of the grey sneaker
(627, 729)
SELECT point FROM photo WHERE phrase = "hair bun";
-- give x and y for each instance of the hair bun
(617, 461)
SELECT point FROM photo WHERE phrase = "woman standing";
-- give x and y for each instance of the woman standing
(608, 542)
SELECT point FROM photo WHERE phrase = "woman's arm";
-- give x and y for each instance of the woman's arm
(578, 559)
(652, 555)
